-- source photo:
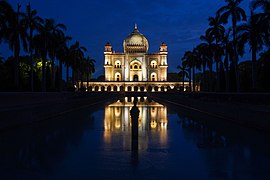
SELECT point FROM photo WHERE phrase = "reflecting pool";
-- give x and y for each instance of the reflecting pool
(99, 144)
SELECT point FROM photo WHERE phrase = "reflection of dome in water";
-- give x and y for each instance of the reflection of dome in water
(136, 42)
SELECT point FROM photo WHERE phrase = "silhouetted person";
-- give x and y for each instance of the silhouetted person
(134, 113)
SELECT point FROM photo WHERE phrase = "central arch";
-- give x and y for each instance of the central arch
(135, 70)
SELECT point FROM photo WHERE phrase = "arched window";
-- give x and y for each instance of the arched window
(153, 64)
(153, 76)
(135, 65)
(117, 64)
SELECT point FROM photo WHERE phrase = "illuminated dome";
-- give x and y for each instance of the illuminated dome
(135, 42)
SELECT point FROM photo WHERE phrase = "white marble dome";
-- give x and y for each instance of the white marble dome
(136, 42)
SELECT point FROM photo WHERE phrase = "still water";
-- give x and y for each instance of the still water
(88, 144)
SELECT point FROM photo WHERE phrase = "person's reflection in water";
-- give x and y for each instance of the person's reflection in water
(134, 113)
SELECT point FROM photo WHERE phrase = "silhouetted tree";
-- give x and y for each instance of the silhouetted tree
(233, 10)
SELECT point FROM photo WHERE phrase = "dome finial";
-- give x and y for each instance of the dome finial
(135, 27)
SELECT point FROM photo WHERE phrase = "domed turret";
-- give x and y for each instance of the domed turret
(108, 47)
(163, 47)
(136, 42)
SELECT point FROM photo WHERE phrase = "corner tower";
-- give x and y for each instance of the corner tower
(108, 61)
(163, 51)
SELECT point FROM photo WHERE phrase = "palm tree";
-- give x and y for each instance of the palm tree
(237, 14)
(17, 36)
(77, 56)
(86, 69)
(6, 17)
(208, 48)
(197, 61)
(90, 69)
(228, 55)
(187, 63)
(183, 73)
(67, 62)
(33, 23)
(41, 43)
(252, 33)
(217, 31)
(205, 58)
(56, 35)
(263, 17)
(62, 54)
(190, 60)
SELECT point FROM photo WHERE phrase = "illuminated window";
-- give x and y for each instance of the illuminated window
(153, 76)
(153, 64)
(117, 64)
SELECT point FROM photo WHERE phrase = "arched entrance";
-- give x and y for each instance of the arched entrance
(109, 88)
(90, 88)
(102, 88)
(129, 88)
(135, 77)
(162, 88)
(117, 77)
(121, 88)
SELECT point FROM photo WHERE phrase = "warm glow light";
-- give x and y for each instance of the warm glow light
(117, 124)
(135, 69)
(163, 125)
(153, 124)
(152, 116)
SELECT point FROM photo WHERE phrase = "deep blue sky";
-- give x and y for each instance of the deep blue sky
(179, 23)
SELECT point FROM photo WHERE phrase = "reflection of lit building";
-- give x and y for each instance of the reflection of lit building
(135, 69)
(152, 118)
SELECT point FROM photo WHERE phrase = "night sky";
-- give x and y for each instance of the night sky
(179, 23)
